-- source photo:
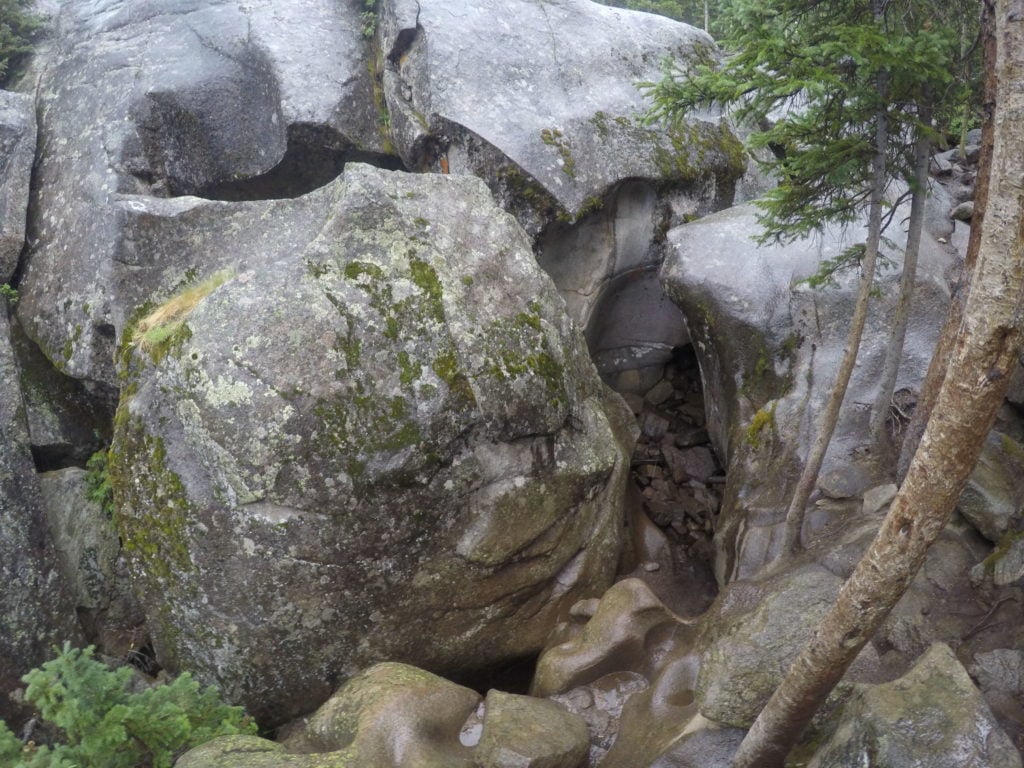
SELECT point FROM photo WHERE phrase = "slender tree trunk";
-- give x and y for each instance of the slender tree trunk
(986, 349)
(940, 359)
(898, 331)
(830, 415)
(707, 17)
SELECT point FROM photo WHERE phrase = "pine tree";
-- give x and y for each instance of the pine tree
(834, 87)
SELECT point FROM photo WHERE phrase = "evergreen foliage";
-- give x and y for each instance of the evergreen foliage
(805, 75)
(17, 26)
(106, 724)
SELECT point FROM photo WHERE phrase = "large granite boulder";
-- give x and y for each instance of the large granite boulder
(384, 442)
(17, 151)
(177, 98)
(541, 100)
(769, 347)
(36, 609)
(931, 716)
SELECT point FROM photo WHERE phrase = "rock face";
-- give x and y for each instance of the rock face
(36, 610)
(752, 636)
(563, 127)
(205, 98)
(388, 442)
(931, 716)
(768, 349)
(17, 151)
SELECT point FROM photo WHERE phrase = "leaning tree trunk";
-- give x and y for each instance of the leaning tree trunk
(898, 330)
(985, 352)
(940, 360)
(830, 414)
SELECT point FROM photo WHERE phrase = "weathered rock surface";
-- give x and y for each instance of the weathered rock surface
(992, 500)
(523, 732)
(752, 635)
(36, 610)
(434, 484)
(931, 716)
(562, 129)
(17, 151)
(768, 349)
(397, 716)
(207, 98)
(86, 543)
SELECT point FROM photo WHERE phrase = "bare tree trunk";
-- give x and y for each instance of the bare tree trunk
(898, 331)
(940, 360)
(830, 415)
(986, 349)
(707, 17)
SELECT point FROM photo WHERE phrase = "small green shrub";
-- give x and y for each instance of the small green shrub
(97, 480)
(11, 294)
(107, 725)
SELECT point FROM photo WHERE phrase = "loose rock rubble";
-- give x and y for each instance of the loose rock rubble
(674, 466)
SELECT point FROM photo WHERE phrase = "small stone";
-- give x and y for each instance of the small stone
(651, 566)
(659, 393)
(524, 732)
(1009, 567)
(676, 462)
(698, 463)
(963, 212)
(689, 437)
(653, 425)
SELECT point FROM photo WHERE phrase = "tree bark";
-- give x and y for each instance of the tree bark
(985, 351)
(944, 349)
(898, 331)
(830, 415)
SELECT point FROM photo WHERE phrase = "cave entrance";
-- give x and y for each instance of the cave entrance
(641, 346)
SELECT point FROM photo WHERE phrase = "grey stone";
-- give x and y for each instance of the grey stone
(563, 127)
(877, 498)
(768, 349)
(706, 748)
(992, 500)
(86, 541)
(291, 516)
(963, 212)
(36, 610)
(659, 393)
(17, 151)
(1008, 567)
(752, 635)
(523, 732)
(931, 716)
(264, 99)
(601, 704)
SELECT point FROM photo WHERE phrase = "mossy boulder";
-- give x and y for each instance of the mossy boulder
(388, 443)
(566, 125)
(933, 715)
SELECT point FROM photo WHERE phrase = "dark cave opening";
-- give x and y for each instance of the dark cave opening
(315, 156)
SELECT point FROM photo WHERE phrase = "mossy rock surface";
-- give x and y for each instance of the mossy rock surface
(351, 452)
